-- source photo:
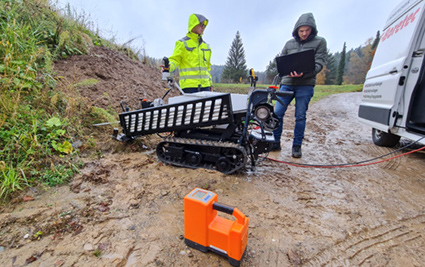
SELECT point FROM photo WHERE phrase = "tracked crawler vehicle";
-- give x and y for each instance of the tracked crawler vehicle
(218, 131)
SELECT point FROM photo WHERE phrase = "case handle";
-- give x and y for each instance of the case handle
(240, 217)
(223, 208)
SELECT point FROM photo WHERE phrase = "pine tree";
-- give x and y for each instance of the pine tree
(271, 70)
(374, 47)
(332, 69)
(235, 68)
(341, 66)
(376, 41)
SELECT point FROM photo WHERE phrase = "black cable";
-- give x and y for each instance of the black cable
(356, 163)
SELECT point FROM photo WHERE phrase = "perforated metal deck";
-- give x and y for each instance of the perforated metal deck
(186, 115)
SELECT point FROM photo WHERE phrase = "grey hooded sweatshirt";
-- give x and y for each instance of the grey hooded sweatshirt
(313, 42)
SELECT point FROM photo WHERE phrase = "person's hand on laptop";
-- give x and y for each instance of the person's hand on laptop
(294, 74)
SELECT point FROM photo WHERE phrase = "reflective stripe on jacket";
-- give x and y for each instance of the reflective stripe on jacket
(193, 57)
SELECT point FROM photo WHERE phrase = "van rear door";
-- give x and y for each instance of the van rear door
(415, 87)
(385, 82)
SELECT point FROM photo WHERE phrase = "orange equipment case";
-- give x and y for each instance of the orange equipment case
(205, 231)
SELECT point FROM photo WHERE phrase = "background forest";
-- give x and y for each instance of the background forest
(345, 67)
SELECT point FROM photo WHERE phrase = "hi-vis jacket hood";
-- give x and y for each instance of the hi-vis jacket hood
(196, 19)
(193, 57)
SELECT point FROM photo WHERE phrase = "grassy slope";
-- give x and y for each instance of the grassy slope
(40, 116)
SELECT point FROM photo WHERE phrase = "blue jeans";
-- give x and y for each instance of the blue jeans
(302, 95)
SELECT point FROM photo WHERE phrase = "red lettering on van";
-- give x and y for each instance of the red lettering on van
(401, 25)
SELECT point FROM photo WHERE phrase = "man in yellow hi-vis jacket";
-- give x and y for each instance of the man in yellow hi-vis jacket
(193, 57)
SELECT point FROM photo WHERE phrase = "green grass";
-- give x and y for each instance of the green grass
(11, 181)
(40, 115)
(320, 91)
(86, 83)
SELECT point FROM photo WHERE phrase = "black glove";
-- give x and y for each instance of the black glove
(166, 64)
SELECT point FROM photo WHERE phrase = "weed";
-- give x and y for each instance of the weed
(64, 214)
(97, 253)
(206, 186)
(57, 174)
(101, 115)
(38, 235)
(86, 82)
(11, 181)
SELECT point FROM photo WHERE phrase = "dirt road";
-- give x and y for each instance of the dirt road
(126, 209)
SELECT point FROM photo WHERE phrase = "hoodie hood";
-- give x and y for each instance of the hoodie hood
(306, 19)
(196, 19)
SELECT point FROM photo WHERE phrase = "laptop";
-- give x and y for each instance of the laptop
(300, 62)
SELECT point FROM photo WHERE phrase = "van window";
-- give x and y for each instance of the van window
(399, 34)
(422, 45)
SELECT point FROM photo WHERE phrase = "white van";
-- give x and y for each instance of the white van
(393, 99)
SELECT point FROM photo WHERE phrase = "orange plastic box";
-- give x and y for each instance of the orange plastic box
(205, 231)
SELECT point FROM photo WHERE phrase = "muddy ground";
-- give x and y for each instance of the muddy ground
(126, 208)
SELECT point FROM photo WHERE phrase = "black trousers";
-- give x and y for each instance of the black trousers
(196, 89)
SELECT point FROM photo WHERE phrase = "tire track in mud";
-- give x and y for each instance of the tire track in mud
(369, 245)
(392, 164)
(276, 257)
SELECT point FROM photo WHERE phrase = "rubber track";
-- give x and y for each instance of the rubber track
(199, 142)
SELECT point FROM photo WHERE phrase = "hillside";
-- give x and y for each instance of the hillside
(58, 78)
(106, 77)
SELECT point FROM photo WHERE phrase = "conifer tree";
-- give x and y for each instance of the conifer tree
(376, 41)
(331, 68)
(271, 70)
(341, 66)
(235, 68)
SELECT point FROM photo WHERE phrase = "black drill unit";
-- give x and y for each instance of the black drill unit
(207, 130)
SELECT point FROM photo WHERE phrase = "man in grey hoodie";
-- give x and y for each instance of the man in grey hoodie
(302, 84)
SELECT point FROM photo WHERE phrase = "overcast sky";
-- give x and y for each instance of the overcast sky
(264, 25)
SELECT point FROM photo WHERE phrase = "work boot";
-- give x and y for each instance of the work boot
(276, 146)
(296, 151)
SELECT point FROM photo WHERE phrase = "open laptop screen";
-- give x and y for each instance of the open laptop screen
(300, 62)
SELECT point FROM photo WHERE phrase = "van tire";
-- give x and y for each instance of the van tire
(381, 138)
